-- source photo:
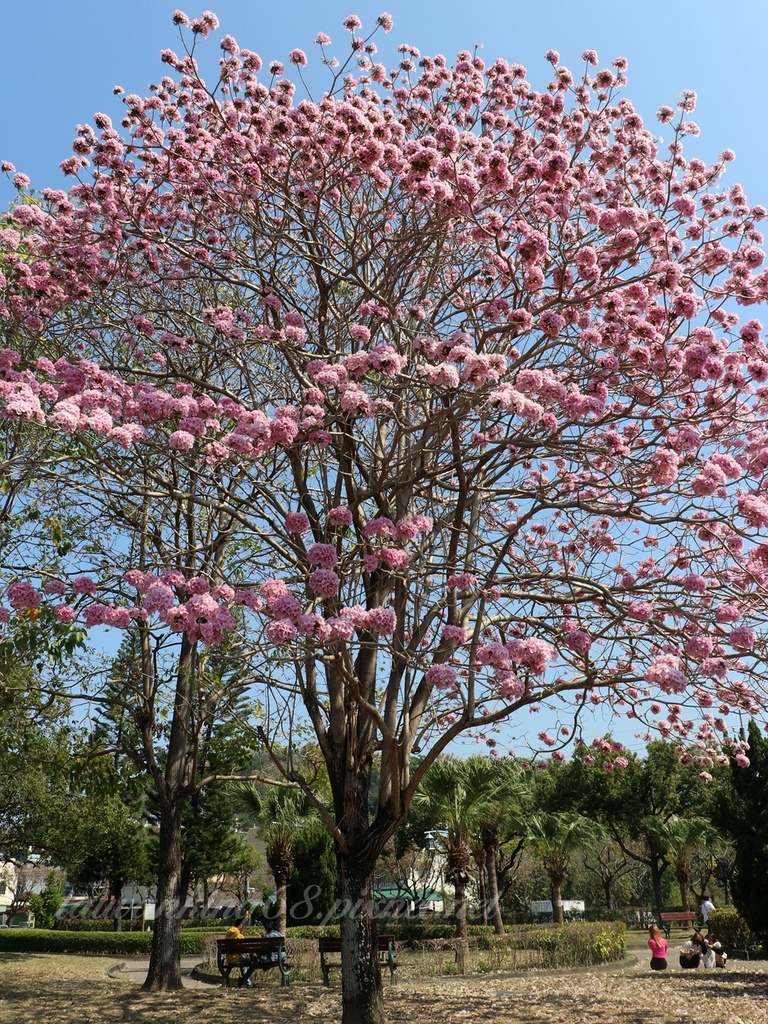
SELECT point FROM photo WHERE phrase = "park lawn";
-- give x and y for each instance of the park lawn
(47, 989)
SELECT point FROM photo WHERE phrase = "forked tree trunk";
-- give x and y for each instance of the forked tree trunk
(165, 957)
(361, 995)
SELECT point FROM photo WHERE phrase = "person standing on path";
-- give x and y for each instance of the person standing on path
(658, 947)
(707, 906)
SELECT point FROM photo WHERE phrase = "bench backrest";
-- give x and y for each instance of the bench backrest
(332, 944)
(246, 945)
(679, 915)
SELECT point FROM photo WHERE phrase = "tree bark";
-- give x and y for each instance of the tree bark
(482, 888)
(460, 914)
(493, 891)
(361, 994)
(165, 958)
(656, 874)
(556, 887)
(281, 903)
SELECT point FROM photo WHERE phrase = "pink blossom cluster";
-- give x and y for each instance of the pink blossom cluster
(189, 606)
(532, 653)
(665, 671)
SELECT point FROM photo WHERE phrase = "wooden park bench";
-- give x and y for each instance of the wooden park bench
(682, 917)
(265, 953)
(332, 946)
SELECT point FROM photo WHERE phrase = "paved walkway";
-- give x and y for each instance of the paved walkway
(135, 969)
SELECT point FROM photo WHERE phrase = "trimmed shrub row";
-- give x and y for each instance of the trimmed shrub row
(42, 940)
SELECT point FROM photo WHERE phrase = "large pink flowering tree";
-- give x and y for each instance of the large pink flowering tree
(456, 369)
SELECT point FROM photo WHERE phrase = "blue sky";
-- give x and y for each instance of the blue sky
(60, 59)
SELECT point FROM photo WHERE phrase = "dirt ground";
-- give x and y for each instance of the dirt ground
(43, 989)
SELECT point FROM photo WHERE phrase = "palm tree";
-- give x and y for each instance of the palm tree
(679, 837)
(554, 837)
(279, 813)
(446, 798)
(495, 788)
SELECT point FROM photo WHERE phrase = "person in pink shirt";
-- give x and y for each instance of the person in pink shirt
(658, 947)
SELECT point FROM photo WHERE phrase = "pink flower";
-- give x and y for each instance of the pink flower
(665, 671)
(352, 22)
(271, 590)
(382, 620)
(159, 598)
(742, 638)
(341, 629)
(442, 677)
(64, 613)
(181, 440)
(94, 615)
(380, 527)
(640, 610)
(385, 21)
(296, 522)
(285, 607)
(323, 555)
(324, 582)
(551, 323)
(699, 647)
(298, 57)
(340, 516)
(464, 581)
(83, 585)
(120, 618)
(395, 558)
(454, 634)
(280, 630)
(578, 641)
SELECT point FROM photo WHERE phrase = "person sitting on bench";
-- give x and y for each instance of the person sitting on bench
(243, 961)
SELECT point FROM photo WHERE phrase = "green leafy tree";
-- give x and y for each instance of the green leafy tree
(44, 904)
(313, 887)
(742, 812)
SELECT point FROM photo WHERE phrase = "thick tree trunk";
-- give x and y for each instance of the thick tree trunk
(684, 898)
(281, 904)
(493, 891)
(557, 901)
(482, 888)
(165, 958)
(460, 915)
(608, 892)
(361, 994)
(656, 875)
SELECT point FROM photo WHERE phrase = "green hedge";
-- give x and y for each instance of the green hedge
(41, 940)
(727, 925)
